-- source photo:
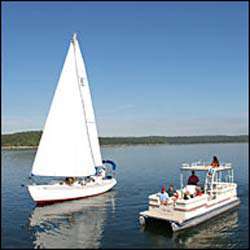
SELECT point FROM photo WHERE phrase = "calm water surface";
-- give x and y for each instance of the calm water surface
(111, 220)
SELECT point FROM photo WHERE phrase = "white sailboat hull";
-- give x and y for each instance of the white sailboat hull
(48, 194)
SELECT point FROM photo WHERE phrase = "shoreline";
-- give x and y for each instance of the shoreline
(127, 145)
(30, 140)
(18, 147)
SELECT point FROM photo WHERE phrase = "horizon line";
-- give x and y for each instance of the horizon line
(27, 131)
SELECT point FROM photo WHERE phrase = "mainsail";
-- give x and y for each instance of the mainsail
(89, 111)
(69, 144)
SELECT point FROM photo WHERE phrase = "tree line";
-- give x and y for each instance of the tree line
(31, 138)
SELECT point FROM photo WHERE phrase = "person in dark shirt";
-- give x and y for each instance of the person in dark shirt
(193, 179)
(171, 190)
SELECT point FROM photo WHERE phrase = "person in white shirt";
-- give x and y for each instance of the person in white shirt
(164, 197)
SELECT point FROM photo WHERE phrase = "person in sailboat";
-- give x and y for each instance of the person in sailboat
(70, 180)
(101, 172)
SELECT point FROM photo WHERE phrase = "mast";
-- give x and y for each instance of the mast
(85, 94)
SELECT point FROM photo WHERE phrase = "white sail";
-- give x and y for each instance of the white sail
(65, 147)
(89, 112)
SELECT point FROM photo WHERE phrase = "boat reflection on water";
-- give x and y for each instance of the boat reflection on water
(74, 224)
(213, 233)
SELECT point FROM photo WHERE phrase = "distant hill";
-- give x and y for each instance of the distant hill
(31, 139)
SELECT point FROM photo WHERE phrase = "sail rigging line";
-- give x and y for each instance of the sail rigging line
(84, 111)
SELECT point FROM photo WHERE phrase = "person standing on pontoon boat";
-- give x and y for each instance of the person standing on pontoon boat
(193, 179)
(215, 162)
(164, 196)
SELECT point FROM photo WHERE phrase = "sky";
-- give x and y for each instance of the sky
(154, 68)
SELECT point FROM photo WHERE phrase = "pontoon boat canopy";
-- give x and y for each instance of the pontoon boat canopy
(205, 167)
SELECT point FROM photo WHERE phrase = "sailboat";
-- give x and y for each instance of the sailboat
(69, 145)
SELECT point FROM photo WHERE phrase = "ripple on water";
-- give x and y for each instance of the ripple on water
(111, 220)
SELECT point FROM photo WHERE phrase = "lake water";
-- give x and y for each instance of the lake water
(111, 220)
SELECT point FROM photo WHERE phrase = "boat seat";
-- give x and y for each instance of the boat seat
(190, 189)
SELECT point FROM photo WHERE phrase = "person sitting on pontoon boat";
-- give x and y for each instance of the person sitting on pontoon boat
(193, 179)
(198, 191)
(215, 162)
(171, 191)
(164, 196)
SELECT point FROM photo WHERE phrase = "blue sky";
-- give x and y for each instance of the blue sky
(155, 68)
